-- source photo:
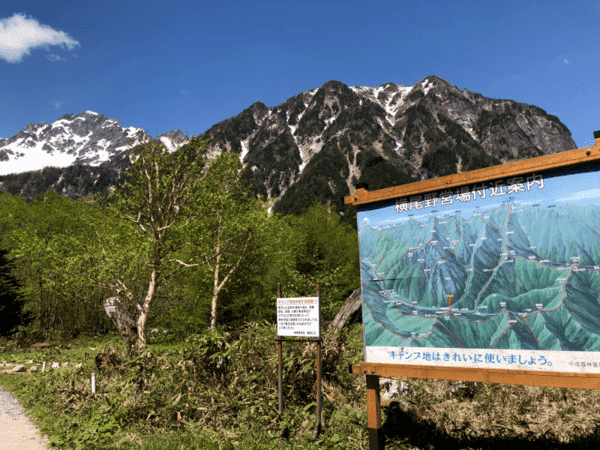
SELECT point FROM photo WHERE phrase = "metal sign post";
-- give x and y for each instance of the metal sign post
(299, 317)
(318, 428)
(279, 360)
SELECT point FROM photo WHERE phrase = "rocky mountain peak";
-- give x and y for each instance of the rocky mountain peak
(74, 139)
(332, 87)
(331, 136)
(319, 144)
(177, 136)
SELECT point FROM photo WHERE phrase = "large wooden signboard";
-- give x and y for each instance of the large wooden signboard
(491, 275)
(496, 269)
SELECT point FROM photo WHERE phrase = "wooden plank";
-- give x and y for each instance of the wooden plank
(501, 376)
(373, 405)
(541, 163)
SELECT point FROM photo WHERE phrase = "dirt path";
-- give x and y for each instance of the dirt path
(16, 430)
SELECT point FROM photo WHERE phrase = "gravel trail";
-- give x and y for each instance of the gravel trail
(16, 430)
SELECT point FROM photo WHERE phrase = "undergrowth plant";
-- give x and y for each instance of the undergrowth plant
(218, 384)
(218, 390)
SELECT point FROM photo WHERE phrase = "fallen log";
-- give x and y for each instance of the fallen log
(350, 312)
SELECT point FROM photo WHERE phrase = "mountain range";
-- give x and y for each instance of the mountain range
(316, 145)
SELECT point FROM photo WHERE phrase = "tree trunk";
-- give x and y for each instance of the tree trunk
(141, 330)
(349, 312)
(215, 293)
(143, 317)
(119, 316)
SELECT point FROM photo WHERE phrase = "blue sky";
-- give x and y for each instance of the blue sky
(165, 65)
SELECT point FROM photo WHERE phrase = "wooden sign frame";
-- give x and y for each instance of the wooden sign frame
(547, 162)
(519, 377)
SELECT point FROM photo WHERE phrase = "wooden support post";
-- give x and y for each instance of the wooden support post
(280, 360)
(318, 429)
(376, 440)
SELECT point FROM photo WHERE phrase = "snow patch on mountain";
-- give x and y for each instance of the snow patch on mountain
(389, 96)
(35, 158)
(330, 120)
(168, 144)
(308, 149)
(245, 149)
(87, 138)
(395, 102)
(427, 86)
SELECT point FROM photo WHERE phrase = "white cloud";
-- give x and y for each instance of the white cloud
(566, 61)
(53, 57)
(20, 34)
(58, 103)
(592, 193)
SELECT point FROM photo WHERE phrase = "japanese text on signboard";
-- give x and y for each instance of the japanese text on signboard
(510, 186)
(298, 317)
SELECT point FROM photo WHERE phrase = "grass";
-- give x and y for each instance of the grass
(217, 390)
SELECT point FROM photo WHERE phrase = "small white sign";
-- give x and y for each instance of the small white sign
(298, 316)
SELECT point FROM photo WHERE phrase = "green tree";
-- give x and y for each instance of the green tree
(249, 291)
(236, 223)
(182, 209)
(326, 252)
(42, 239)
(11, 315)
(176, 209)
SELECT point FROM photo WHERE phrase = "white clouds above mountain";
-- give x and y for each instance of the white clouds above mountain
(20, 34)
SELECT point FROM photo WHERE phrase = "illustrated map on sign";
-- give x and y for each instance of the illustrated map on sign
(519, 256)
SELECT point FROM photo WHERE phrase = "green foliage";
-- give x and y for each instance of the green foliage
(298, 252)
(71, 255)
(227, 133)
(234, 246)
(75, 181)
(11, 314)
(568, 410)
(325, 251)
(44, 240)
(216, 387)
(439, 161)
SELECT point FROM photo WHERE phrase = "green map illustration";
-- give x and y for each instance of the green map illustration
(520, 258)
